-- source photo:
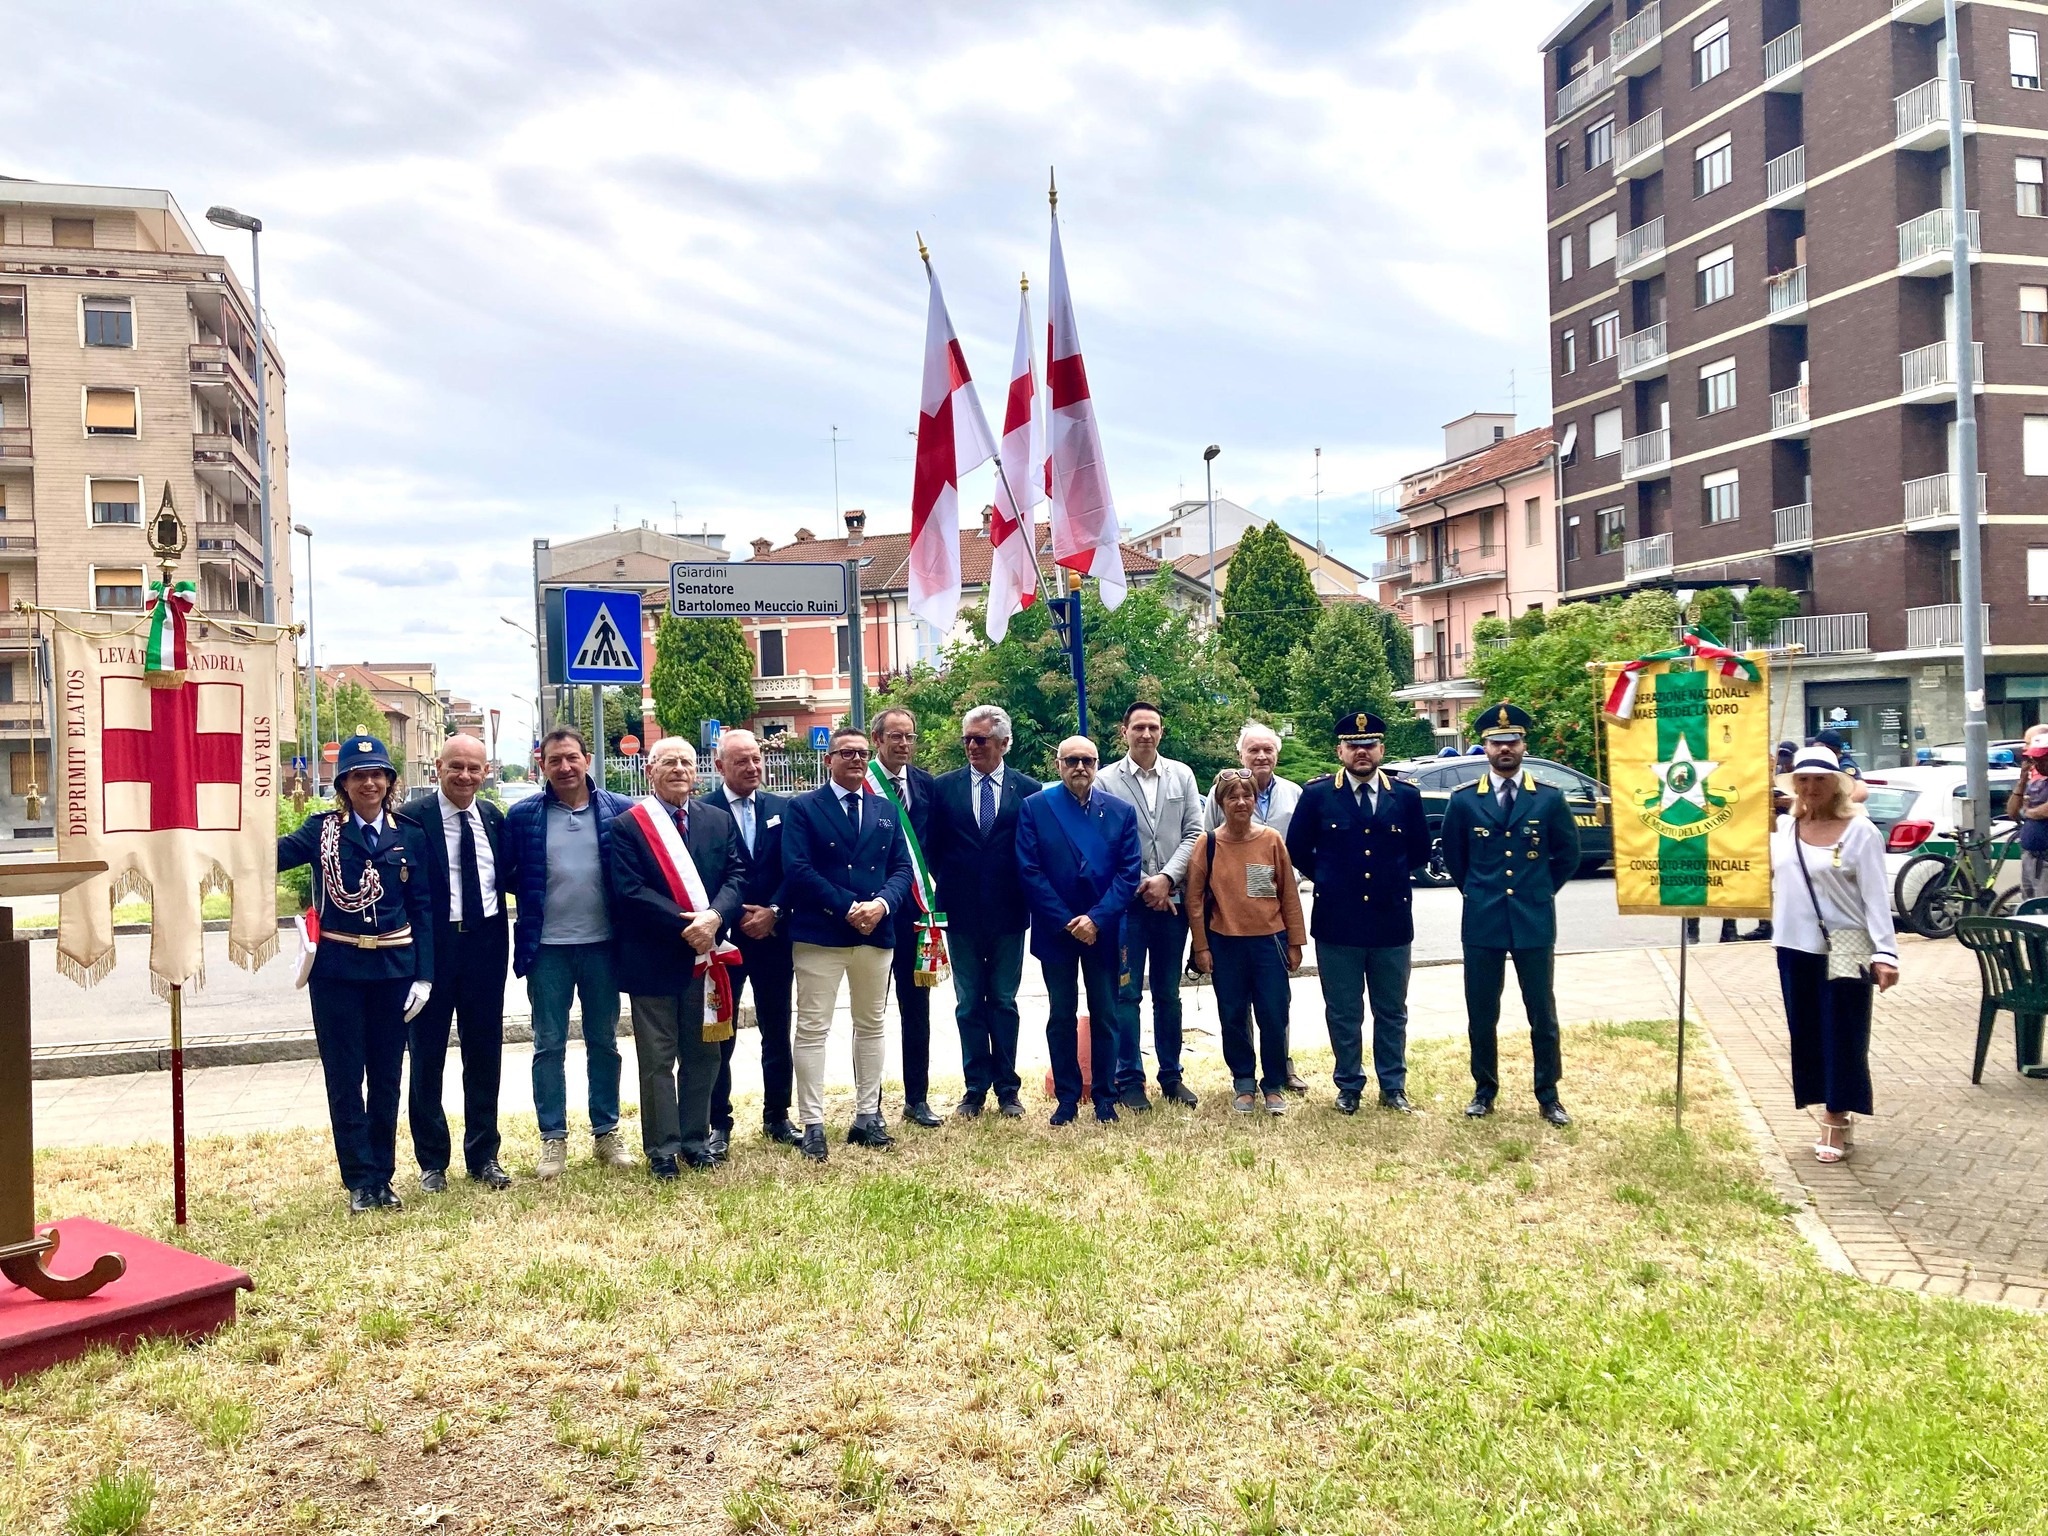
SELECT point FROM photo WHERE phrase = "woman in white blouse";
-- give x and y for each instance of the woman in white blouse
(1828, 876)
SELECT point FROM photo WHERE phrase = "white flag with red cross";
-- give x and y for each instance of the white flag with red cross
(952, 438)
(1013, 562)
(1084, 530)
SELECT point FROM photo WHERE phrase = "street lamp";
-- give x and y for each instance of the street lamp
(228, 218)
(312, 664)
(535, 639)
(1209, 475)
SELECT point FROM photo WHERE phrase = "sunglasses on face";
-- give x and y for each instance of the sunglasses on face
(976, 741)
(1077, 762)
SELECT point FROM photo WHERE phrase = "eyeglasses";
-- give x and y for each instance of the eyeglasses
(1234, 775)
(899, 736)
(1077, 762)
(976, 741)
(852, 754)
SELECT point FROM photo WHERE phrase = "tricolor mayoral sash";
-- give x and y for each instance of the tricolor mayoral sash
(686, 890)
(933, 963)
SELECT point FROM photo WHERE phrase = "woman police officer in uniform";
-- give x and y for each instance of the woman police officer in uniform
(374, 967)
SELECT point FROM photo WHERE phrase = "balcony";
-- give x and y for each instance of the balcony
(227, 467)
(1643, 352)
(1793, 526)
(1929, 373)
(225, 541)
(1784, 62)
(1825, 634)
(1647, 455)
(1785, 180)
(1920, 116)
(798, 690)
(1439, 677)
(17, 539)
(13, 355)
(1789, 412)
(1646, 559)
(17, 448)
(1595, 80)
(1641, 251)
(1460, 568)
(22, 715)
(1390, 570)
(1786, 292)
(1927, 244)
(1934, 503)
(1917, 13)
(1639, 148)
(1940, 627)
(1389, 523)
(214, 366)
(1634, 47)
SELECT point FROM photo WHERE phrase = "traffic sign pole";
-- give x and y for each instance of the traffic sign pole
(597, 733)
(854, 659)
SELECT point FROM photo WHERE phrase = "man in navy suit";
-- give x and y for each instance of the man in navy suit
(472, 941)
(895, 745)
(973, 855)
(1078, 856)
(761, 934)
(846, 871)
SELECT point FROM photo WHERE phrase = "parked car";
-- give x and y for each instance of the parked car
(1915, 808)
(512, 791)
(1439, 777)
(2003, 754)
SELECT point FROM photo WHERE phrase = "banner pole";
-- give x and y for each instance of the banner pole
(178, 1104)
(1678, 1090)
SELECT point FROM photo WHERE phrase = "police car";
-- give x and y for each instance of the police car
(1439, 777)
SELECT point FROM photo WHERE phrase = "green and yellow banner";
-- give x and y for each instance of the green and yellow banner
(1689, 761)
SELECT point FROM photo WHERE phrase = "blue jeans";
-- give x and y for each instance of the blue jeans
(986, 970)
(1349, 972)
(1063, 1025)
(1251, 977)
(586, 971)
(1160, 939)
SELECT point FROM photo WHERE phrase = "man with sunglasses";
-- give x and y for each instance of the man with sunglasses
(1077, 852)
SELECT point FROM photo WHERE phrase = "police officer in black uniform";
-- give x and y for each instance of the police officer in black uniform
(1510, 844)
(374, 968)
(1358, 836)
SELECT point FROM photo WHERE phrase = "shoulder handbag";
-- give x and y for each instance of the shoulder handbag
(1849, 949)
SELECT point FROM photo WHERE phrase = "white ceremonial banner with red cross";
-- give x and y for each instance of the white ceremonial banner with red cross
(175, 787)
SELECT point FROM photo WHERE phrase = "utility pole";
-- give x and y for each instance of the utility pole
(1976, 728)
(1209, 478)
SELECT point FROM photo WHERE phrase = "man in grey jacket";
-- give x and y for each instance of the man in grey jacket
(1169, 806)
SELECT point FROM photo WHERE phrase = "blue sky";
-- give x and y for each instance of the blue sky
(530, 262)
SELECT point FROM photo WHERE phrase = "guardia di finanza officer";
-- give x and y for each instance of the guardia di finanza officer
(1510, 843)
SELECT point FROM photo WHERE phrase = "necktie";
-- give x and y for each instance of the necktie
(851, 805)
(472, 879)
(1507, 797)
(987, 814)
(902, 782)
(744, 809)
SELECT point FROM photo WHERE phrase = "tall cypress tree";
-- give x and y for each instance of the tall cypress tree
(1269, 607)
(703, 670)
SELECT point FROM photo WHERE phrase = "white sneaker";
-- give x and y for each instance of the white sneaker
(554, 1159)
(611, 1151)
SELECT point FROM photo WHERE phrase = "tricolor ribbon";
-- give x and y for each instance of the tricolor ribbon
(932, 957)
(1621, 698)
(175, 600)
(686, 889)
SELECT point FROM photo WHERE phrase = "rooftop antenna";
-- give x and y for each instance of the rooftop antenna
(1319, 511)
(1513, 398)
(615, 517)
(835, 474)
(675, 517)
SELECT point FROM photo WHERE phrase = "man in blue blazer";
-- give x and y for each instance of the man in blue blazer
(895, 745)
(973, 855)
(1078, 855)
(762, 935)
(846, 872)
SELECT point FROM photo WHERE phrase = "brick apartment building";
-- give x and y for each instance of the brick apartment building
(1753, 340)
(127, 355)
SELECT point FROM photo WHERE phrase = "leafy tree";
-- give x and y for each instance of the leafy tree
(1762, 609)
(1546, 673)
(1527, 624)
(347, 709)
(702, 671)
(1269, 608)
(1712, 614)
(1341, 666)
(1400, 644)
(621, 714)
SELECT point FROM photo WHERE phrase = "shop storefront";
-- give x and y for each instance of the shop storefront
(1873, 716)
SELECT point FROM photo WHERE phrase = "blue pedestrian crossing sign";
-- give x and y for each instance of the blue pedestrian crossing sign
(298, 763)
(601, 633)
(821, 737)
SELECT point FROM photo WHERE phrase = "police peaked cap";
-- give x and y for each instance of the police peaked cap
(1361, 728)
(362, 752)
(1504, 722)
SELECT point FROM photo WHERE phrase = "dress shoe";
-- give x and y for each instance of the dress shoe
(388, 1198)
(1135, 1101)
(1064, 1114)
(920, 1113)
(814, 1143)
(1010, 1109)
(1105, 1111)
(433, 1181)
(492, 1173)
(703, 1162)
(968, 1109)
(868, 1131)
(1177, 1092)
(1347, 1101)
(554, 1159)
(1554, 1113)
(1276, 1104)
(361, 1201)
(1479, 1108)
(663, 1167)
(1397, 1101)
(1296, 1083)
(783, 1133)
(718, 1145)
(610, 1149)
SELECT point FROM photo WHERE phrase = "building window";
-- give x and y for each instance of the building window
(1564, 164)
(1606, 433)
(2027, 174)
(1568, 352)
(1564, 259)
(771, 654)
(1600, 142)
(2037, 574)
(110, 413)
(2024, 48)
(1606, 336)
(1713, 165)
(1610, 524)
(117, 588)
(1571, 538)
(845, 662)
(2033, 316)
(1720, 501)
(1717, 387)
(1710, 52)
(24, 768)
(2034, 446)
(1486, 544)
(1714, 278)
(72, 233)
(109, 323)
(117, 501)
(1600, 238)
(1532, 521)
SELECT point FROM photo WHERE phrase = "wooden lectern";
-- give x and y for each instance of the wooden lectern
(22, 1251)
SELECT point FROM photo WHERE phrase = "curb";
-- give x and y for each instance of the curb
(129, 930)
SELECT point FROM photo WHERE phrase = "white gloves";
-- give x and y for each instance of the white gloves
(416, 999)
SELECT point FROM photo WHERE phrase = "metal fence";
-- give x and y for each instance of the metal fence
(784, 771)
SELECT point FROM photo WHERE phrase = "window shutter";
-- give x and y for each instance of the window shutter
(110, 410)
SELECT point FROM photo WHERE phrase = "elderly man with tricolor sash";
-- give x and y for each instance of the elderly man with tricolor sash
(675, 876)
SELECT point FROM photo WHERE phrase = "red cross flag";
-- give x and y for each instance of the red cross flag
(1084, 531)
(175, 787)
(1013, 563)
(952, 438)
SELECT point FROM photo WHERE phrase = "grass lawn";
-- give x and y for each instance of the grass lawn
(213, 907)
(1180, 1323)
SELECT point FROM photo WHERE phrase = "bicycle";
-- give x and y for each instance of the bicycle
(1933, 890)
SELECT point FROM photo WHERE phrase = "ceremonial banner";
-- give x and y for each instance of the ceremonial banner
(1689, 761)
(166, 767)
